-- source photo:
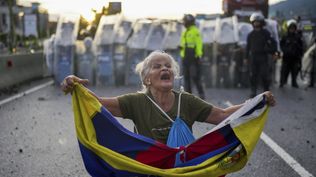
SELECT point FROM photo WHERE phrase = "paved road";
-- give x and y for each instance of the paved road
(37, 136)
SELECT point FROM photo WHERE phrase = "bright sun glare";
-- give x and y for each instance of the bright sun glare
(134, 8)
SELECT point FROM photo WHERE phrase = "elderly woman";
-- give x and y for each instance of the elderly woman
(157, 73)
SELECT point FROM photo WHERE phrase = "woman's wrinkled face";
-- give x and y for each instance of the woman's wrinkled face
(161, 76)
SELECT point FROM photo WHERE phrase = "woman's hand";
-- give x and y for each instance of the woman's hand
(270, 98)
(68, 83)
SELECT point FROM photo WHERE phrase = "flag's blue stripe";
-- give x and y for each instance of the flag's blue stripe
(97, 167)
(111, 134)
(230, 138)
(228, 134)
(209, 155)
(260, 105)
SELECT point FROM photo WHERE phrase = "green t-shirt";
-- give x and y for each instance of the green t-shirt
(151, 122)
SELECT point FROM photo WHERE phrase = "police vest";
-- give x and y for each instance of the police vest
(191, 40)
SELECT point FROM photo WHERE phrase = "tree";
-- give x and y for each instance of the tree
(11, 42)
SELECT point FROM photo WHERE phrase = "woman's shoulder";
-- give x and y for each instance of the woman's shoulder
(132, 96)
(186, 95)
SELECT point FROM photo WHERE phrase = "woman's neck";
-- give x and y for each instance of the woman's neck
(165, 99)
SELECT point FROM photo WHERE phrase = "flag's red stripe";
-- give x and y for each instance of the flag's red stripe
(157, 156)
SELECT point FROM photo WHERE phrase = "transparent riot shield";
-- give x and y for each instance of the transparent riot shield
(156, 36)
(226, 30)
(226, 36)
(241, 78)
(171, 46)
(275, 65)
(243, 30)
(120, 50)
(207, 28)
(64, 47)
(103, 45)
(86, 61)
(48, 50)
(136, 50)
(272, 27)
(308, 30)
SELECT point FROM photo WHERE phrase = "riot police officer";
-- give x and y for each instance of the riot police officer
(292, 48)
(191, 52)
(259, 44)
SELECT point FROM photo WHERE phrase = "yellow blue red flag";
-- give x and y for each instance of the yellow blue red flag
(110, 150)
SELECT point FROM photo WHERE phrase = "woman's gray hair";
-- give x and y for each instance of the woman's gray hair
(143, 68)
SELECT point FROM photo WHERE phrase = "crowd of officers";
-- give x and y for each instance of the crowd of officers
(259, 55)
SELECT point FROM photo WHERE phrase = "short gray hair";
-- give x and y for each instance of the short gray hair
(143, 68)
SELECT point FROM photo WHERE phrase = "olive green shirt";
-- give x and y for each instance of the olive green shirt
(151, 122)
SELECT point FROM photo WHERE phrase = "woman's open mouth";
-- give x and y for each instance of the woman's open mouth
(165, 76)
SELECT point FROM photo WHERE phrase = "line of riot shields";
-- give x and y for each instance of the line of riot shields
(120, 43)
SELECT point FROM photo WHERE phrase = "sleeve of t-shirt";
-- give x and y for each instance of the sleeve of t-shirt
(198, 109)
(126, 103)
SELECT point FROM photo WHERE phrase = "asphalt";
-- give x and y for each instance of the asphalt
(37, 136)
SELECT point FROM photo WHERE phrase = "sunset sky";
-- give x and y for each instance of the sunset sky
(134, 8)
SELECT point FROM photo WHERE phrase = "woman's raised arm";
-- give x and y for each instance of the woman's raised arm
(111, 104)
(217, 115)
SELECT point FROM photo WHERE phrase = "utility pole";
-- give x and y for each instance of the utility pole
(12, 27)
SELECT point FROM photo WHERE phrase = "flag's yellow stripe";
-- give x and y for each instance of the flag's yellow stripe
(249, 132)
(86, 106)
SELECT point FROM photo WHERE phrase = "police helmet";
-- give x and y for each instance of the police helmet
(256, 17)
(291, 22)
(188, 20)
(87, 42)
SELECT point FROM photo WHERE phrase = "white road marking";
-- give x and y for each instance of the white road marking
(2, 102)
(282, 153)
(285, 156)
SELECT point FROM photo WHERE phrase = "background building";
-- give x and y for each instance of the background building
(19, 23)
